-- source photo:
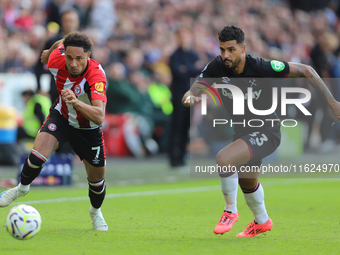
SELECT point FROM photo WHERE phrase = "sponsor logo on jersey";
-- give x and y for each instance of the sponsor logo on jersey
(238, 97)
(96, 161)
(99, 93)
(255, 94)
(52, 127)
(277, 65)
(99, 86)
(77, 90)
(225, 79)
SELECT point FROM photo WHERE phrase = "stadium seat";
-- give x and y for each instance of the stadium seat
(114, 135)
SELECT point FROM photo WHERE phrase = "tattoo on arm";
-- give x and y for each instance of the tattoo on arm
(297, 70)
(300, 70)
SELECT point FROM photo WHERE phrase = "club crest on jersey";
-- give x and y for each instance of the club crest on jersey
(99, 86)
(52, 127)
(252, 141)
(77, 90)
(252, 82)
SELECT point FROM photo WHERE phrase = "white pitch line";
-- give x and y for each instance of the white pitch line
(178, 191)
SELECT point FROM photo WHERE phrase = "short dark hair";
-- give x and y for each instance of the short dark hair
(77, 39)
(71, 9)
(28, 92)
(231, 32)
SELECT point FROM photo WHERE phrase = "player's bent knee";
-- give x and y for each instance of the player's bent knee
(247, 183)
(221, 159)
(95, 176)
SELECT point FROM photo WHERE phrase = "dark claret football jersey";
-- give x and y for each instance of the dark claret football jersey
(255, 70)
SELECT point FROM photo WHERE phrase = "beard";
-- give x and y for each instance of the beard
(71, 74)
(233, 65)
(74, 75)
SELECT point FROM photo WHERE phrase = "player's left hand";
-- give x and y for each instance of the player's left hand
(68, 96)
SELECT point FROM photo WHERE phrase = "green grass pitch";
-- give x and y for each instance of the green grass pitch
(179, 218)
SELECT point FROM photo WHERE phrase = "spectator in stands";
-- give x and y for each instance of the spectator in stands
(37, 109)
(184, 64)
(132, 98)
(123, 96)
(102, 16)
(323, 60)
(83, 8)
(25, 20)
(160, 96)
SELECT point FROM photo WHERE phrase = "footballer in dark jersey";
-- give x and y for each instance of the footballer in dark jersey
(254, 70)
(250, 145)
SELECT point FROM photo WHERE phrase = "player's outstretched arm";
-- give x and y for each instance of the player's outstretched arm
(192, 96)
(46, 53)
(94, 112)
(297, 70)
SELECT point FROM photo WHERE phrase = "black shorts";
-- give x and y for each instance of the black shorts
(88, 144)
(261, 144)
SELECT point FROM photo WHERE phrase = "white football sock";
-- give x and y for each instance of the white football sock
(94, 210)
(24, 187)
(229, 187)
(255, 201)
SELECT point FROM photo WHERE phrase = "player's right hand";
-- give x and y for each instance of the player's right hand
(44, 56)
(191, 100)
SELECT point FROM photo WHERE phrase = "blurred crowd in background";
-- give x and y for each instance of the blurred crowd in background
(134, 41)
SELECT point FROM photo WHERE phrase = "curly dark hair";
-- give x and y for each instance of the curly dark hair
(231, 32)
(77, 39)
